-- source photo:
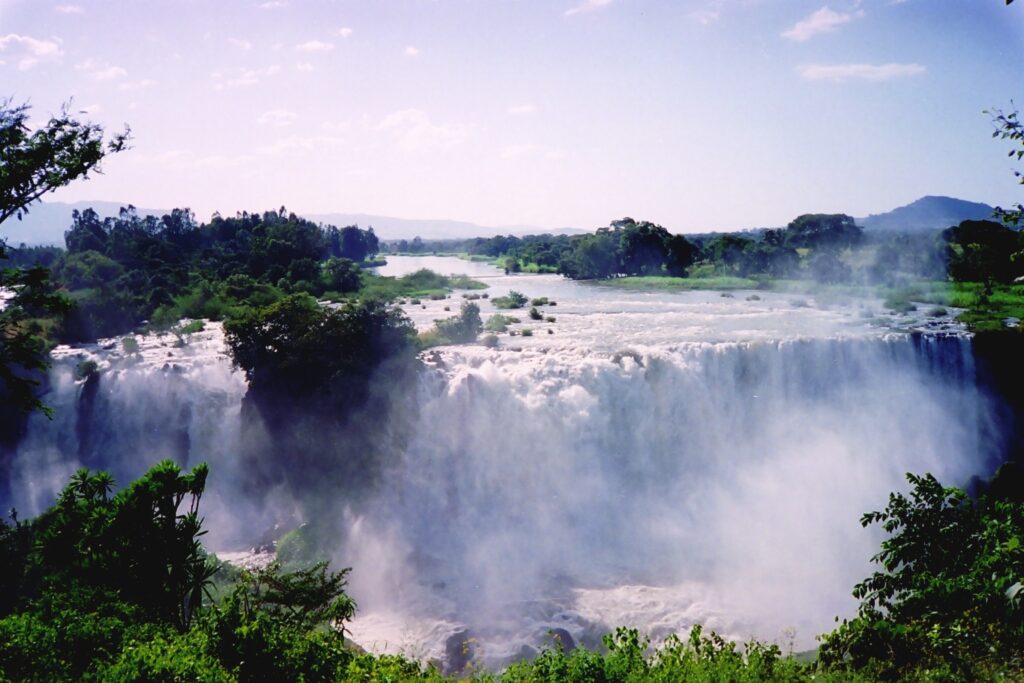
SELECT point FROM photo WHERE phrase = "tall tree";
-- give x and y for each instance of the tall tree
(33, 163)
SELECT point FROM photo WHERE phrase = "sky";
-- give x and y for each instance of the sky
(694, 114)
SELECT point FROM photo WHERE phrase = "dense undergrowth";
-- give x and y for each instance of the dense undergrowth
(111, 586)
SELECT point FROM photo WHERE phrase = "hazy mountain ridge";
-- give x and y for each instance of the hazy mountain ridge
(927, 213)
(46, 222)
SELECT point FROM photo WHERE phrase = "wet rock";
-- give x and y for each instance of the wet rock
(560, 638)
(459, 650)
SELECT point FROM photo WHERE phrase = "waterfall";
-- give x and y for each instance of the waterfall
(568, 485)
(705, 483)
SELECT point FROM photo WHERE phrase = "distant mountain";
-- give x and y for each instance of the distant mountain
(46, 222)
(927, 213)
(389, 228)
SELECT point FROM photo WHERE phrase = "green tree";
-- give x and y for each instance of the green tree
(1008, 126)
(946, 595)
(40, 161)
(33, 163)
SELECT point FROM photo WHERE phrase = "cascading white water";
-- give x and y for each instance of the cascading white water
(175, 398)
(658, 460)
(717, 484)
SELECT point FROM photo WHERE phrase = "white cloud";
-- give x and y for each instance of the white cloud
(68, 9)
(278, 118)
(344, 32)
(272, 4)
(239, 78)
(297, 144)
(32, 51)
(303, 66)
(101, 71)
(412, 51)
(866, 72)
(587, 6)
(110, 73)
(412, 130)
(239, 43)
(137, 85)
(523, 109)
(705, 17)
(314, 46)
(531, 149)
(822, 21)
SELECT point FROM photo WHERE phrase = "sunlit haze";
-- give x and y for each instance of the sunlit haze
(697, 114)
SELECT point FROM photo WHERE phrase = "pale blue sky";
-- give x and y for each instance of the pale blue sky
(702, 114)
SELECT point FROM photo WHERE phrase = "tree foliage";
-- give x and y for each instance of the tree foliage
(1008, 126)
(33, 163)
(947, 594)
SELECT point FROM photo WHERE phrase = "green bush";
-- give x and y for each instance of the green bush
(514, 299)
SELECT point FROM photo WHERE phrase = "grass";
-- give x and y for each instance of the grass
(982, 312)
(667, 283)
(421, 284)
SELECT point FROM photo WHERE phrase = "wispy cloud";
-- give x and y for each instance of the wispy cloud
(240, 44)
(314, 46)
(412, 51)
(303, 66)
(240, 78)
(101, 71)
(704, 17)
(344, 32)
(412, 130)
(68, 9)
(272, 4)
(296, 144)
(277, 118)
(31, 50)
(533, 150)
(822, 21)
(137, 85)
(587, 6)
(522, 109)
(864, 72)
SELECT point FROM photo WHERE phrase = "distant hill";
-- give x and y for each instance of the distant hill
(389, 228)
(46, 222)
(927, 213)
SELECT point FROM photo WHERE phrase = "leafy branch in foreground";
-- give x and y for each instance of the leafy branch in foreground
(944, 597)
(33, 163)
(1008, 126)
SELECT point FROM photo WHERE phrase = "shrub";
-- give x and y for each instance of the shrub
(514, 299)
(535, 314)
(130, 344)
(86, 369)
